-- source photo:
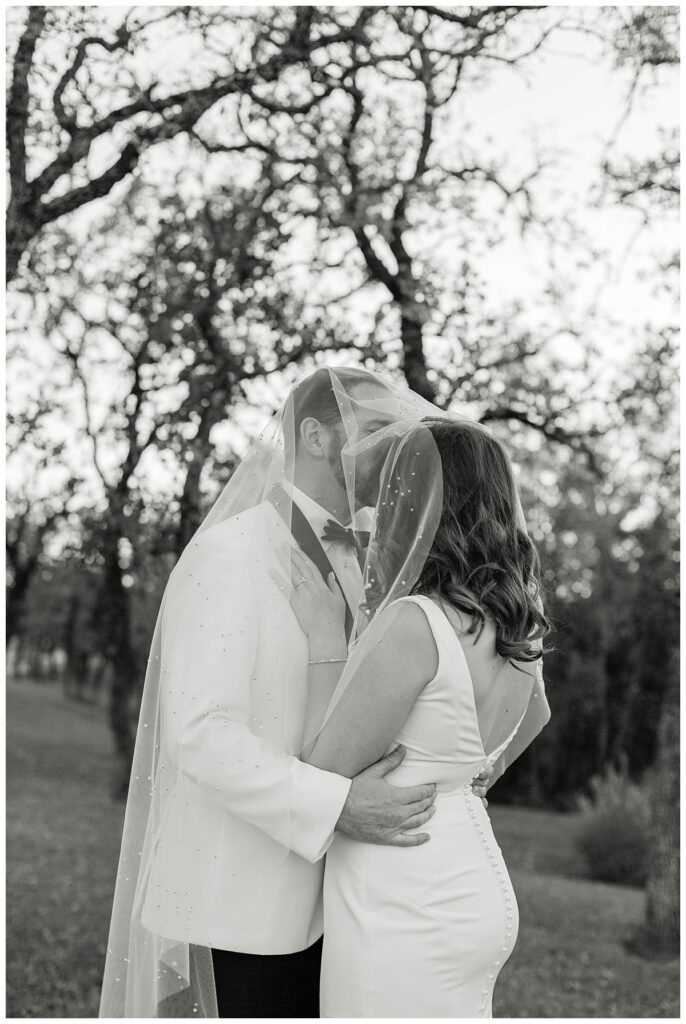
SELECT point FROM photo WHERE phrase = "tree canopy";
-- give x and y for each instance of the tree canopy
(207, 201)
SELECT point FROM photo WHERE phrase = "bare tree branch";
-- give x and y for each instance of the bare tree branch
(19, 94)
(547, 426)
(177, 113)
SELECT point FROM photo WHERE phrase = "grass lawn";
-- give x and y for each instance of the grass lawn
(63, 837)
(538, 842)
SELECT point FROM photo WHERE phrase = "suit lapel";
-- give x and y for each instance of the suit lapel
(309, 542)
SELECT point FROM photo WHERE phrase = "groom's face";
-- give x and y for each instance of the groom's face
(367, 464)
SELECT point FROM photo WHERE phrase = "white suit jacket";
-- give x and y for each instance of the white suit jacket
(238, 863)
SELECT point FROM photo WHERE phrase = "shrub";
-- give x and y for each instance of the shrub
(614, 833)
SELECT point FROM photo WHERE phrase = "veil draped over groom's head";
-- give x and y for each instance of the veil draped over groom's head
(361, 445)
(357, 437)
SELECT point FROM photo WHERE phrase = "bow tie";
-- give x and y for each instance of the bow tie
(358, 539)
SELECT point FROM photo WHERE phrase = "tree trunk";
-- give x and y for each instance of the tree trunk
(20, 230)
(662, 895)
(13, 612)
(414, 365)
(73, 681)
(16, 597)
(190, 511)
(116, 625)
(620, 734)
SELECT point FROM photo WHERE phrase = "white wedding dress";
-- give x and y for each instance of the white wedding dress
(424, 931)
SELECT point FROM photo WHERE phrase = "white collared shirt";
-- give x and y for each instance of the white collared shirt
(341, 556)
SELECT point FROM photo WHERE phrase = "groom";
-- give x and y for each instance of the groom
(263, 820)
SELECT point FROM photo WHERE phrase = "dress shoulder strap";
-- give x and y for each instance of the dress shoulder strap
(433, 612)
(440, 627)
(436, 617)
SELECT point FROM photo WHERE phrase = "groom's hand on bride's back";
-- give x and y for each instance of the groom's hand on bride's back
(377, 812)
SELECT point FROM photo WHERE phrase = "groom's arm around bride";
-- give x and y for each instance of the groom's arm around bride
(225, 725)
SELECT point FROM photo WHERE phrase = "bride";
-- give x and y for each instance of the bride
(450, 670)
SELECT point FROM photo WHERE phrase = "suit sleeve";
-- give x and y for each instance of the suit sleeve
(209, 646)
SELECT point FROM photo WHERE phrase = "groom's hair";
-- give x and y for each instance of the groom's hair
(315, 395)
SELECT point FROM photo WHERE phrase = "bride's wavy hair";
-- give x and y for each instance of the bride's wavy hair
(481, 561)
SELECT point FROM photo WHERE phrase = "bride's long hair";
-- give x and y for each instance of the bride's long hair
(482, 561)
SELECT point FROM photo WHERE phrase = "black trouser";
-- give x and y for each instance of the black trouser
(269, 985)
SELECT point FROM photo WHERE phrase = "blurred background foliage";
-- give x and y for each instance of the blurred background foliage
(206, 202)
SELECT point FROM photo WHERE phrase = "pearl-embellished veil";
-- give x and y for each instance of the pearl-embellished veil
(379, 446)
(158, 959)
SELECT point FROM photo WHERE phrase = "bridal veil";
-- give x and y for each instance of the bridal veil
(166, 970)
(387, 464)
